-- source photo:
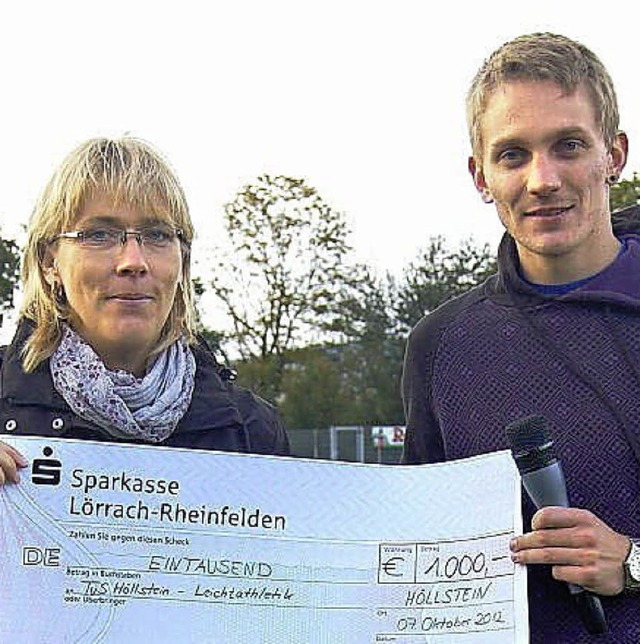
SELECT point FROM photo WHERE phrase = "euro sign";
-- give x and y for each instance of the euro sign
(390, 566)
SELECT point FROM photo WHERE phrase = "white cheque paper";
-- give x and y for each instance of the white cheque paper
(120, 543)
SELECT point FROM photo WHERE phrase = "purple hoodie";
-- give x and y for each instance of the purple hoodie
(502, 352)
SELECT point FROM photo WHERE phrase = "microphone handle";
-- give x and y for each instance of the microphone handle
(546, 486)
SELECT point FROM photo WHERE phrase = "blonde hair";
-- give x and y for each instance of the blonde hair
(543, 57)
(132, 172)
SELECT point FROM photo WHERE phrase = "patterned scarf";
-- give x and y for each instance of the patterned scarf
(124, 406)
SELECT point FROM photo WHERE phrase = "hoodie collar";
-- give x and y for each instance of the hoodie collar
(616, 285)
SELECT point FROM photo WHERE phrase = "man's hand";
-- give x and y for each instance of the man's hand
(581, 549)
(10, 461)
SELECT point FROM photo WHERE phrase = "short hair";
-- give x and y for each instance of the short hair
(543, 57)
(132, 172)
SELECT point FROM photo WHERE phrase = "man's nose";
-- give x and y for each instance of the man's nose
(544, 176)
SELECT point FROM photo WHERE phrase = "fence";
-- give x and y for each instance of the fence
(360, 444)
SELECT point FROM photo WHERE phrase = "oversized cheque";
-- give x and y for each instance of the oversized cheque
(119, 543)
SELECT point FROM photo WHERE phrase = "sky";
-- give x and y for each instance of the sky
(363, 99)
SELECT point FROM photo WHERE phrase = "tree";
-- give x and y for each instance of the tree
(625, 193)
(10, 262)
(313, 396)
(437, 275)
(283, 277)
(371, 352)
(353, 380)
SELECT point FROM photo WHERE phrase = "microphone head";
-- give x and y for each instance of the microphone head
(531, 444)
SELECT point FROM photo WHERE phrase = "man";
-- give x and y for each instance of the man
(556, 332)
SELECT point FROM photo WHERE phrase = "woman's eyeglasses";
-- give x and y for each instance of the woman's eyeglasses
(155, 237)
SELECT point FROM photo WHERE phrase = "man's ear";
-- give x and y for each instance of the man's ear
(619, 153)
(478, 180)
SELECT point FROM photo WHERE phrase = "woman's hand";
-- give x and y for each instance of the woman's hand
(10, 462)
(579, 546)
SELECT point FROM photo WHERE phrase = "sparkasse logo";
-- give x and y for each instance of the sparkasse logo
(46, 471)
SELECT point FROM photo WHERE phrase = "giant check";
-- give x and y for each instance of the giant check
(120, 543)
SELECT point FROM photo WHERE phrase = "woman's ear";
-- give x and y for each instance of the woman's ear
(50, 268)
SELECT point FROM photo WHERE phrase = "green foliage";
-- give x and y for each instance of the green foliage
(625, 193)
(365, 310)
(345, 384)
(262, 375)
(198, 287)
(283, 278)
(10, 275)
(351, 382)
(312, 391)
(371, 353)
(437, 275)
(372, 383)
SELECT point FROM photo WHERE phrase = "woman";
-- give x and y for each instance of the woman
(106, 347)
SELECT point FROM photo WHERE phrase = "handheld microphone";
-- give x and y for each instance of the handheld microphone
(542, 477)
